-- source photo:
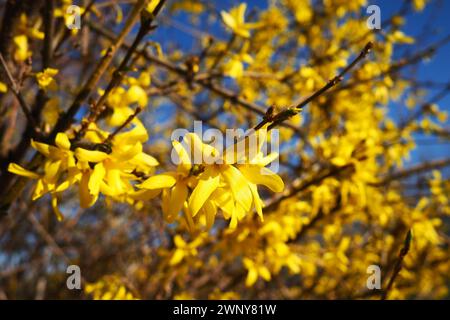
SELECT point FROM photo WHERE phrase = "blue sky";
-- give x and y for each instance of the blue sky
(430, 25)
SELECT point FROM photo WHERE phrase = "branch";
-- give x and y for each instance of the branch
(67, 118)
(118, 74)
(297, 107)
(414, 170)
(13, 86)
(399, 264)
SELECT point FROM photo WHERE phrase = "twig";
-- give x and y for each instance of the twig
(415, 169)
(49, 27)
(118, 74)
(398, 265)
(15, 89)
(67, 118)
(123, 125)
(291, 111)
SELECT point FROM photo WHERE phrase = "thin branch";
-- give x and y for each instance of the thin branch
(13, 86)
(118, 74)
(291, 111)
(67, 118)
(123, 125)
(398, 264)
(402, 174)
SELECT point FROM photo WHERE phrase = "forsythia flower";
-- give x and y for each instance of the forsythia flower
(109, 287)
(121, 99)
(255, 270)
(45, 78)
(174, 185)
(96, 166)
(225, 182)
(235, 20)
(60, 159)
(184, 249)
(235, 66)
(22, 51)
(111, 170)
(3, 87)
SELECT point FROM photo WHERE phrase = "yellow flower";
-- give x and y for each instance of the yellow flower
(110, 287)
(3, 87)
(22, 53)
(235, 20)
(235, 66)
(184, 250)
(60, 160)
(51, 111)
(173, 184)
(232, 185)
(109, 169)
(45, 78)
(255, 270)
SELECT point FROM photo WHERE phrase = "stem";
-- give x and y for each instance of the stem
(13, 86)
(398, 264)
(123, 125)
(118, 74)
(291, 111)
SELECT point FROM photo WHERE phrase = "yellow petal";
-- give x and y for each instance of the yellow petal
(115, 182)
(62, 141)
(264, 273)
(210, 211)
(96, 178)
(209, 181)
(177, 257)
(137, 94)
(260, 175)
(257, 201)
(56, 210)
(252, 276)
(145, 194)
(52, 169)
(160, 181)
(177, 198)
(16, 169)
(179, 242)
(90, 155)
(239, 187)
(183, 161)
(86, 199)
(228, 19)
(3, 87)
(42, 148)
(39, 190)
(146, 159)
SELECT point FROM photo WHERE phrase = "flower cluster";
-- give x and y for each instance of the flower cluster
(228, 181)
(98, 164)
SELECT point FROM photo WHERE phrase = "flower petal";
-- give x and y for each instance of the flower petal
(159, 181)
(90, 155)
(16, 169)
(62, 141)
(260, 175)
(209, 181)
(177, 198)
(96, 179)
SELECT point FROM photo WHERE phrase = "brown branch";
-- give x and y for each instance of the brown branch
(118, 74)
(67, 118)
(398, 264)
(291, 111)
(402, 174)
(123, 125)
(14, 87)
